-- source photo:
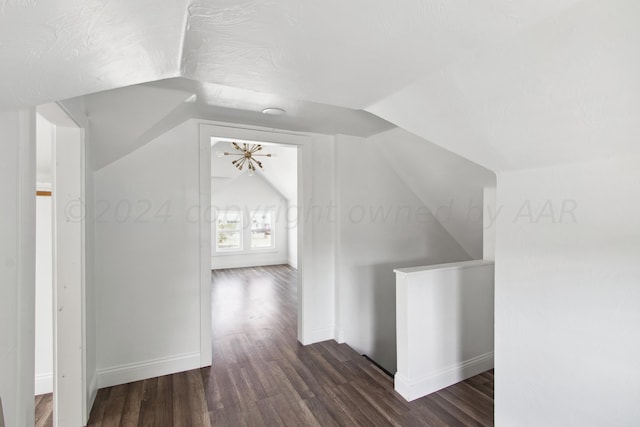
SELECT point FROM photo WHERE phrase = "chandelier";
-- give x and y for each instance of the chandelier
(246, 155)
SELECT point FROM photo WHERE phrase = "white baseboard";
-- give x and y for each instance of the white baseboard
(318, 335)
(44, 384)
(123, 374)
(412, 389)
(339, 334)
(93, 392)
(221, 262)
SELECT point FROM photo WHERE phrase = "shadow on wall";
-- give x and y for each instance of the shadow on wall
(473, 305)
(378, 304)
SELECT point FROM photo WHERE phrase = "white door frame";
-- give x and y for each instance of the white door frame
(69, 316)
(210, 130)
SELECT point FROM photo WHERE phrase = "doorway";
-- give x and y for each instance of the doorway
(254, 214)
(254, 242)
(306, 306)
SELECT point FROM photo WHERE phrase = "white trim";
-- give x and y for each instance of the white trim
(253, 252)
(447, 266)
(43, 384)
(338, 297)
(123, 374)
(69, 384)
(1, 414)
(302, 141)
(93, 387)
(319, 335)
(245, 263)
(23, 412)
(206, 350)
(44, 186)
(412, 389)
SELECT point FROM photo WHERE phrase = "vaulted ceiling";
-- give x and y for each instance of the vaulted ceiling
(507, 84)
(343, 53)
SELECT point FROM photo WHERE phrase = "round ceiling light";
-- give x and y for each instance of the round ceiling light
(272, 111)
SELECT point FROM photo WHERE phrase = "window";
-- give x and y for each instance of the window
(262, 230)
(229, 231)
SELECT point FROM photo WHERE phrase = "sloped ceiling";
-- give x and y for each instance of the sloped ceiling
(280, 171)
(564, 91)
(507, 84)
(124, 119)
(344, 53)
(52, 50)
(119, 118)
(449, 185)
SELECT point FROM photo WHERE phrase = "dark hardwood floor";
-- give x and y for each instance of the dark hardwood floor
(262, 376)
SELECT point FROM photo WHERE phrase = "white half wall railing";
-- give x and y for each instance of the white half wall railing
(444, 322)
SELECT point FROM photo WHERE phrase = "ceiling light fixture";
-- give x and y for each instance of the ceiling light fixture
(246, 154)
(273, 111)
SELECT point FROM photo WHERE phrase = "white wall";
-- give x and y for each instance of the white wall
(44, 154)
(445, 325)
(449, 185)
(317, 222)
(292, 234)
(250, 193)
(90, 262)
(489, 223)
(283, 174)
(567, 296)
(17, 266)
(555, 104)
(147, 260)
(44, 296)
(382, 225)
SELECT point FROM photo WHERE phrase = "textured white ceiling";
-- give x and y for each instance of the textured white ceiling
(345, 53)
(56, 49)
(505, 83)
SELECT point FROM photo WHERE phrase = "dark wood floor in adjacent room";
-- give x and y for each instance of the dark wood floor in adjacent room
(261, 375)
(44, 410)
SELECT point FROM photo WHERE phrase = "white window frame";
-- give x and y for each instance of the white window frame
(239, 230)
(272, 231)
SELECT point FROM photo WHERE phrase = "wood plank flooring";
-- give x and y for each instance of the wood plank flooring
(262, 376)
(44, 410)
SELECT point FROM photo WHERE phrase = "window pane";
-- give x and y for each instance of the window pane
(261, 230)
(229, 220)
(229, 230)
(229, 240)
